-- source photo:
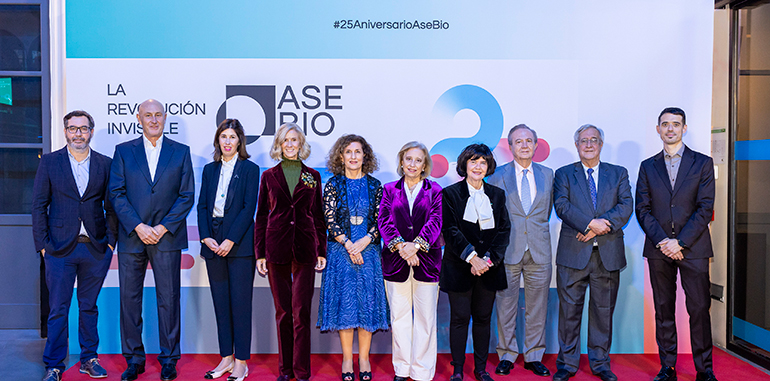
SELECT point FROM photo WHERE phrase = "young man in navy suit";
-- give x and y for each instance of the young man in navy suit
(674, 205)
(152, 190)
(75, 230)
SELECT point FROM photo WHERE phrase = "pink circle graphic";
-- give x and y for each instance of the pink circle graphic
(440, 166)
(503, 152)
(542, 151)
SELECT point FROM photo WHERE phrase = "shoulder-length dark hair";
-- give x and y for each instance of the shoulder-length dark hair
(473, 152)
(334, 160)
(238, 128)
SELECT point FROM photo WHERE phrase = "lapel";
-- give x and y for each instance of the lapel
(688, 159)
(213, 186)
(141, 158)
(604, 183)
(166, 151)
(233, 180)
(418, 214)
(582, 184)
(512, 186)
(660, 166)
(403, 213)
(66, 168)
(94, 172)
(539, 185)
(279, 176)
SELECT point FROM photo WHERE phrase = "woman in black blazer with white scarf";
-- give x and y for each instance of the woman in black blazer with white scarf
(476, 230)
(228, 200)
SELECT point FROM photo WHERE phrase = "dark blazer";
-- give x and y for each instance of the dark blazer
(240, 205)
(572, 201)
(462, 237)
(397, 224)
(138, 199)
(686, 209)
(290, 227)
(58, 208)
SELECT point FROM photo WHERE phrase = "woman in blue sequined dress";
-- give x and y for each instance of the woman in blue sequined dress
(352, 287)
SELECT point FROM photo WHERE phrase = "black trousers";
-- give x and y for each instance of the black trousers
(132, 267)
(477, 303)
(694, 274)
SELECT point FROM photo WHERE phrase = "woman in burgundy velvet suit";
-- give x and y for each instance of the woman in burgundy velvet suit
(290, 245)
(410, 224)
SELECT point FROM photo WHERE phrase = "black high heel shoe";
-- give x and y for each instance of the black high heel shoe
(365, 376)
(349, 376)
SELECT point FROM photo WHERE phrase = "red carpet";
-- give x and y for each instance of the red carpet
(327, 368)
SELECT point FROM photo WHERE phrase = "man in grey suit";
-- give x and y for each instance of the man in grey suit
(528, 188)
(593, 200)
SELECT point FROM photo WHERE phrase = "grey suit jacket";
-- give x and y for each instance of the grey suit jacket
(531, 228)
(572, 201)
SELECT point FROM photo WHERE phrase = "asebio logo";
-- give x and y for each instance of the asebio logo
(304, 110)
(264, 95)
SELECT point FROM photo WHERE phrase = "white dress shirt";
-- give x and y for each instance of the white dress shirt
(153, 154)
(411, 195)
(225, 174)
(595, 175)
(530, 177)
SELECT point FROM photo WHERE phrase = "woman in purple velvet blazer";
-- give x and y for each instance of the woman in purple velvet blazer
(410, 224)
(290, 245)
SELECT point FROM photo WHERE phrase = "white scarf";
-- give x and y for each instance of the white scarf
(479, 209)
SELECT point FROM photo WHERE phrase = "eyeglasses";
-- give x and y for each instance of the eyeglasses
(83, 129)
(584, 141)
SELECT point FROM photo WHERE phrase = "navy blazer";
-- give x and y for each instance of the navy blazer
(58, 208)
(138, 199)
(240, 205)
(572, 202)
(462, 237)
(683, 212)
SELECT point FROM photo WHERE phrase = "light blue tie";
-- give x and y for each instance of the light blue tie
(592, 186)
(526, 196)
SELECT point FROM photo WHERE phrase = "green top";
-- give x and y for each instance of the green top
(291, 171)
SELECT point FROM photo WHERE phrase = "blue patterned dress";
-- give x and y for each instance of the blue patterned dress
(353, 296)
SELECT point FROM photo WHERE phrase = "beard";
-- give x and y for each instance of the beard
(78, 143)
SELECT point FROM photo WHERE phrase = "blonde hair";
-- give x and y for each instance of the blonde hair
(280, 136)
(428, 161)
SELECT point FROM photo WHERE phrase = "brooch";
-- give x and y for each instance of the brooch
(308, 180)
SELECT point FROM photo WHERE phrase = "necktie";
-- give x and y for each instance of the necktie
(526, 197)
(592, 186)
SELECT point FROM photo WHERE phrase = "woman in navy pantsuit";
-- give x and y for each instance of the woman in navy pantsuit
(226, 206)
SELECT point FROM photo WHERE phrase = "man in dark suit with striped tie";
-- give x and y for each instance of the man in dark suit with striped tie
(593, 200)
(75, 230)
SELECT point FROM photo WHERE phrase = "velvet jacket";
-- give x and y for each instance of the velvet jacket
(462, 237)
(337, 212)
(683, 212)
(241, 202)
(290, 227)
(397, 225)
(58, 208)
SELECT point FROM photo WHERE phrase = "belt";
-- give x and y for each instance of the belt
(83, 239)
